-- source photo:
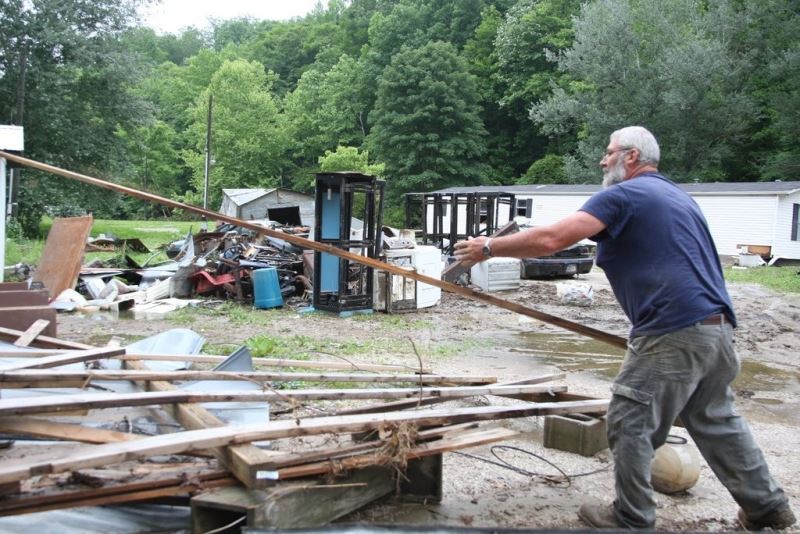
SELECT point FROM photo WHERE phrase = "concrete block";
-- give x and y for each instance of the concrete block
(578, 433)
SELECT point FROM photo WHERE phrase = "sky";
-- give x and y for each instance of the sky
(170, 16)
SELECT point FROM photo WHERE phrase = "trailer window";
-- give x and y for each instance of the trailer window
(796, 222)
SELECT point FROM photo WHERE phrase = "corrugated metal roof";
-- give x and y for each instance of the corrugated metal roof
(240, 197)
(715, 188)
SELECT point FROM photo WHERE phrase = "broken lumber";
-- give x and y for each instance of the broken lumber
(57, 360)
(192, 440)
(47, 378)
(606, 337)
(41, 428)
(461, 440)
(332, 453)
(183, 483)
(92, 401)
(206, 358)
(33, 330)
(414, 403)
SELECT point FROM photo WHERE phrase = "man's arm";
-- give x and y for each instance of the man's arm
(541, 241)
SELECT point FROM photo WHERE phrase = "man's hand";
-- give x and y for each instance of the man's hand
(470, 252)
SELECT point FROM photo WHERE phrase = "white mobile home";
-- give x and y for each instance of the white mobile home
(743, 213)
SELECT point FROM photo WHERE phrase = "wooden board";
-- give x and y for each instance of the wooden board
(24, 297)
(20, 318)
(57, 360)
(11, 379)
(32, 332)
(31, 426)
(62, 255)
(92, 401)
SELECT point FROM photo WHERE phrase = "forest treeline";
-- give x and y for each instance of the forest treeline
(426, 93)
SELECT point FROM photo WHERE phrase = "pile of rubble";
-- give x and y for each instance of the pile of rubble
(216, 263)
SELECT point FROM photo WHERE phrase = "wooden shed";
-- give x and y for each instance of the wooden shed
(759, 214)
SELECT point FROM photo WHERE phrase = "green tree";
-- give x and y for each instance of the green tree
(249, 141)
(427, 128)
(668, 67)
(66, 77)
(325, 110)
(348, 158)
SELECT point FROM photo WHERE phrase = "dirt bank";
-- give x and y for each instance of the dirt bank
(461, 336)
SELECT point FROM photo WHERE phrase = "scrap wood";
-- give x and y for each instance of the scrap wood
(446, 444)
(32, 332)
(48, 378)
(64, 359)
(617, 341)
(331, 453)
(116, 493)
(414, 403)
(92, 401)
(182, 442)
(240, 459)
(32, 426)
(10, 334)
(266, 362)
(62, 255)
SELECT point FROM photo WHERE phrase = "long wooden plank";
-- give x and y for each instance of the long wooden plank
(92, 401)
(446, 444)
(57, 360)
(8, 378)
(33, 330)
(606, 337)
(210, 358)
(31, 426)
(62, 255)
(231, 435)
(427, 401)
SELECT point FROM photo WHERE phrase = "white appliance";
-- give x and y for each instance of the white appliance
(496, 274)
(404, 294)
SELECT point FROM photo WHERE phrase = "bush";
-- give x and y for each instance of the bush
(547, 170)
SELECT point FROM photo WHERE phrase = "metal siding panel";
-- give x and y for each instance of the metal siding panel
(737, 220)
(783, 245)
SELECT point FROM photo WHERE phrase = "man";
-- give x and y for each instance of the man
(655, 248)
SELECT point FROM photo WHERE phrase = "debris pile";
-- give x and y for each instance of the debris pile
(209, 264)
(151, 425)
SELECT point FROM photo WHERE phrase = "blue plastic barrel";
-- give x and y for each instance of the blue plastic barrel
(266, 288)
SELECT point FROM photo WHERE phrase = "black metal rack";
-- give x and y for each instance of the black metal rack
(440, 213)
(342, 201)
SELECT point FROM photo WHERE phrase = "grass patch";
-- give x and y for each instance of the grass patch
(154, 234)
(21, 250)
(784, 279)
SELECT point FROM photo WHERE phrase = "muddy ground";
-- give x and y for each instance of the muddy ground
(462, 337)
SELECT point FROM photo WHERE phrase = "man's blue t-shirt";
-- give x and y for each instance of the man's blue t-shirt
(658, 255)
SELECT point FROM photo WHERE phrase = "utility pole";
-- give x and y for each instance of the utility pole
(207, 171)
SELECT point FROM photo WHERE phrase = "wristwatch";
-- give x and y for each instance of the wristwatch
(487, 248)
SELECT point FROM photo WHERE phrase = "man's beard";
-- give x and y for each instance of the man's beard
(614, 174)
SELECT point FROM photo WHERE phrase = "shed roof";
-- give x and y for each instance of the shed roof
(711, 188)
(240, 197)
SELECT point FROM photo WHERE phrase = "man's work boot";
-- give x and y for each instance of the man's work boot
(599, 516)
(778, 519)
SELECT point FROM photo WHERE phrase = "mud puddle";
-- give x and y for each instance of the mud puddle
(573, 353)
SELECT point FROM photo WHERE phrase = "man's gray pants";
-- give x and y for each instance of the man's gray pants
(686, 373)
